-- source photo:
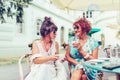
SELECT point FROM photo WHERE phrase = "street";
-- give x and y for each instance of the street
(11, 72)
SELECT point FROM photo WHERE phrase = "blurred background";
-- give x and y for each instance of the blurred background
(20, 22)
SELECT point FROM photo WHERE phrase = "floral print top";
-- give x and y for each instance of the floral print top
(88, 47)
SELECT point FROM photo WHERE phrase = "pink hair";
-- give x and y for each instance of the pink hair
(84, 24)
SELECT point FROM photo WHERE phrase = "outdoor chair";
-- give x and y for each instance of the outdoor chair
(27, 58)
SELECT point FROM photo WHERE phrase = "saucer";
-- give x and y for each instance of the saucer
(97, 61)
(105, 59)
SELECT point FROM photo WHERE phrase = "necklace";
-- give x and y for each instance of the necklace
(48, 50)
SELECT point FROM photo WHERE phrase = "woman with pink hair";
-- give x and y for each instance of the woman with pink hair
(86, 48)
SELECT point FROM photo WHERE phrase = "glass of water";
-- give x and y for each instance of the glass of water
(75, 40)
(113, 56)
(118, 54)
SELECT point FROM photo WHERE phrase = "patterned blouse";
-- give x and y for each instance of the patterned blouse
(88, 47)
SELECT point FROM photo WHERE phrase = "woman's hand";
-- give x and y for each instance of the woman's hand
(54, 57)
(63, 59)
(76, 45)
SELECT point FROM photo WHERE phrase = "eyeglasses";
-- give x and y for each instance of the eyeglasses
(54, 32)
(76, 27)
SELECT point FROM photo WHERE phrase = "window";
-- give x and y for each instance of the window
(62, 35)
(38, 23)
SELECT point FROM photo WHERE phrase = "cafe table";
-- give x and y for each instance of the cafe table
(98, 64)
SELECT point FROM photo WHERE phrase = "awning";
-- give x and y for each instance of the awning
(84, 4)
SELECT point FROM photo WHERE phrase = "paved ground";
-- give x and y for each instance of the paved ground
(10, 72)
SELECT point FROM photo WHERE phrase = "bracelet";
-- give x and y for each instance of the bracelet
(86, 56)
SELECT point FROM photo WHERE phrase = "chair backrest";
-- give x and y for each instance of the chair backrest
(27, 57)
(107, 51)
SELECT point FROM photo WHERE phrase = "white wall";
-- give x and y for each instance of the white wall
(18, 43)
(13, 42)
(104, 21)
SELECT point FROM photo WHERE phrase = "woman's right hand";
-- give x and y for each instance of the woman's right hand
(54, 57)
(76, 45)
